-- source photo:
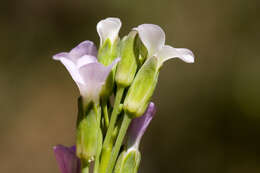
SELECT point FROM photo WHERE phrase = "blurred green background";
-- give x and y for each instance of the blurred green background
(208, 113)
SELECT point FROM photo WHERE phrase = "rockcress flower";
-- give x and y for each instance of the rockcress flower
(108, 30)
(142, 88)
(67, 159)
(85, 70)
(153, 37)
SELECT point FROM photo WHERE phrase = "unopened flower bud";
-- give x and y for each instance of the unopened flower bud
(127, 66)
(88, 136)
(128, 162)
(108, 30)
(142, 88)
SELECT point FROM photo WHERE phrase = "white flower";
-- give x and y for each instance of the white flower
(108, 29)
(85, 70)
(153, 37)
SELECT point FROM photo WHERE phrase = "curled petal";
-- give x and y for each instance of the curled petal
(79, 56)
(60, 55)
(139, 125)
(67, 159)
(108, 29)
(94, 76)
(84, 48)
(152, 36)
(168, 52)
(86, 59)
(73, 70)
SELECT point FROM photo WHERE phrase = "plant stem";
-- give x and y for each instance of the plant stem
(106, 150)
(84, 166)
(99, 138)
(104, 108)
(96, 165)
(114, 115)
(119, 141)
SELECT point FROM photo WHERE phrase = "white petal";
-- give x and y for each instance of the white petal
(108, 29)
(168, 52)
(152, 36)
(73, 70)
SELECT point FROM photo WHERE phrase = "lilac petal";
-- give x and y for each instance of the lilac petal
(86, 59)
(67, 159)
(84, 53)
(73, 70)
(60, 55)
(139, 125)
(94, 76)
(84, 48)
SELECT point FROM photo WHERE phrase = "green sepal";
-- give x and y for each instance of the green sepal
(142, 88)
(140, 50)
(107, 53)
(128, 64)
(128, 162)
(88, 134)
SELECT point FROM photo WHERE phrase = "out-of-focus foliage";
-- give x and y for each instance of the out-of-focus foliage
(208, 117)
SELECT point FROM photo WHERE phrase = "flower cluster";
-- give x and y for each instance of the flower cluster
(128, 69)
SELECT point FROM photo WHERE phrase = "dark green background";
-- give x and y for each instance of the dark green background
(208, 113)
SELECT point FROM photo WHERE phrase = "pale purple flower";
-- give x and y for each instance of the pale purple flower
(139, 125)
(67, 159)
(153, 38)
(85, 70)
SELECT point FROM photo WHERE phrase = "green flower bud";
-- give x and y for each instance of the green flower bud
(106, 55)
(142, 88)
(88, 135)
(128, 162)
(128, 64)
(140, 50)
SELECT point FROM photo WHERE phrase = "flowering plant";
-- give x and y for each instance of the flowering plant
(128, 69)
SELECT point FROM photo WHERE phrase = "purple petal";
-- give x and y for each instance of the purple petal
(67, 159)
(83, 54)
(60, 55)
(139, 125)
(94, 76)
(84, 48)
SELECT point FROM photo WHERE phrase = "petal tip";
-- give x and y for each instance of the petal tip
(58, 56)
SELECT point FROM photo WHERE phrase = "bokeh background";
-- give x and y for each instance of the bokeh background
(208, 113)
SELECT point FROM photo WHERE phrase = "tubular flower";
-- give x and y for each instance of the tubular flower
(85, 70)
(153, 37)
(67, 159)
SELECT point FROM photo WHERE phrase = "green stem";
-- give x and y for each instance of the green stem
(97, 157)
(106, 150)
(114, 115)
(97, 160)
(104, 108)
(84, 166)
(119, 141)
